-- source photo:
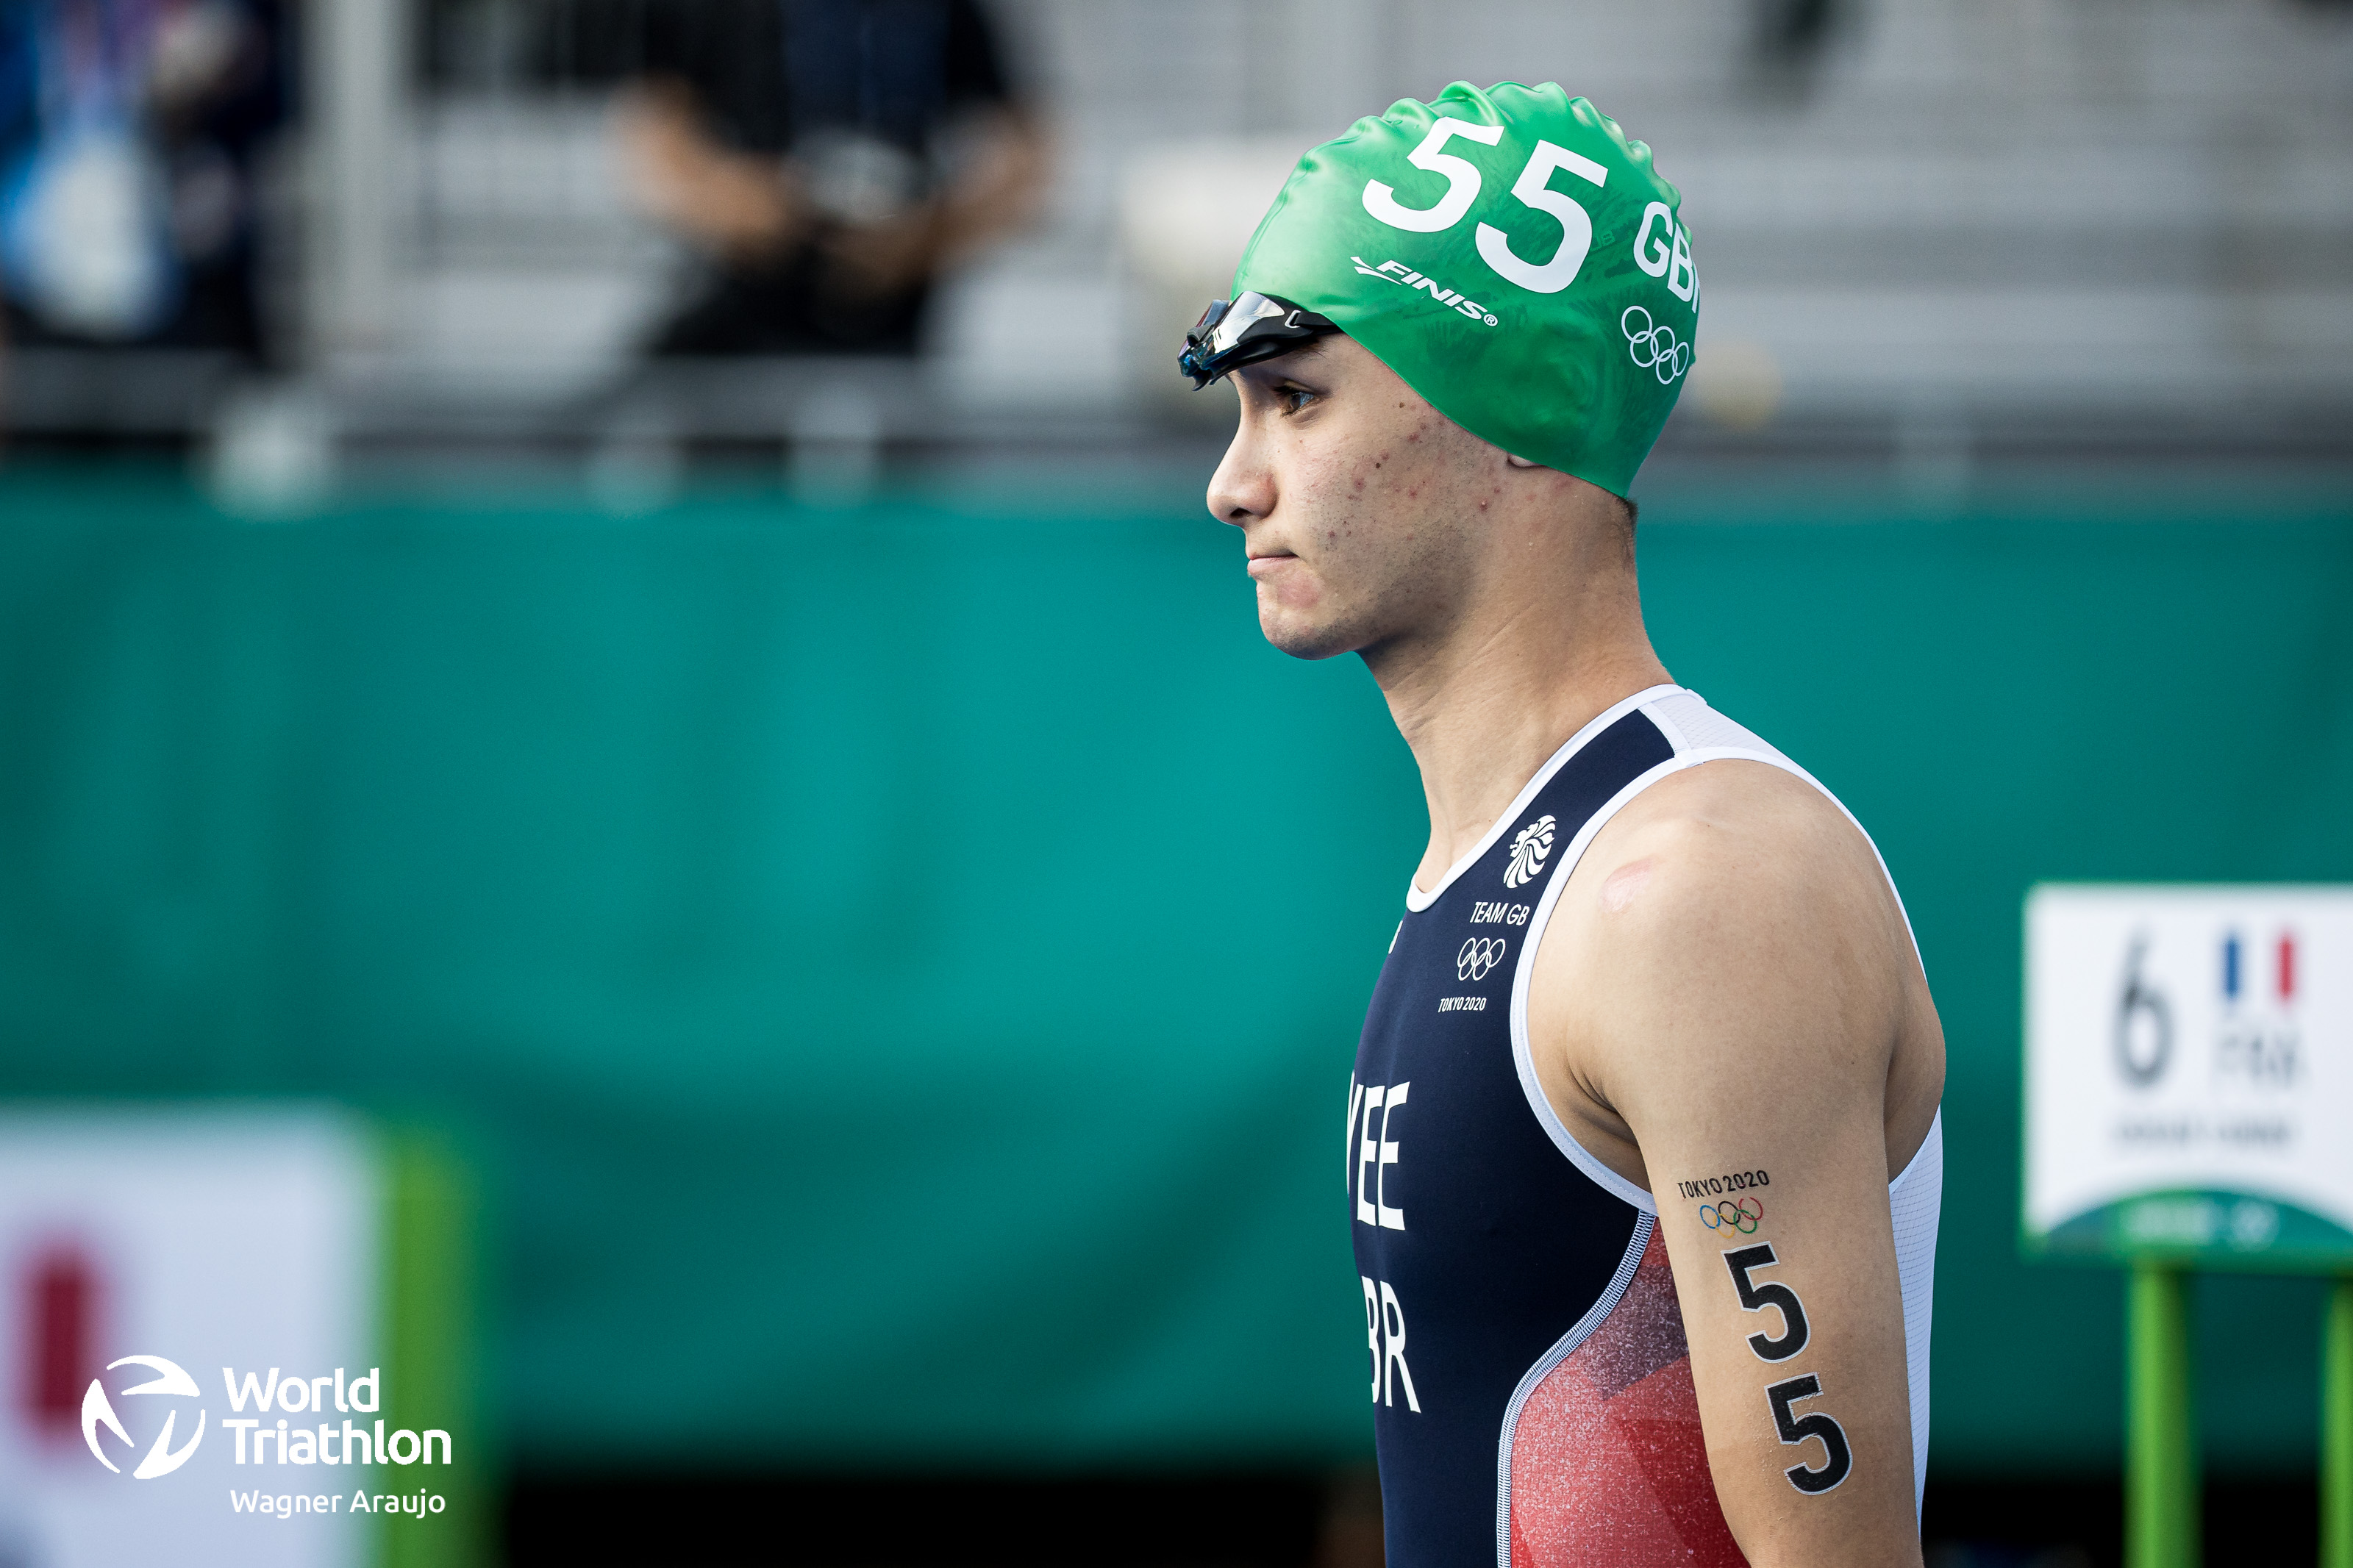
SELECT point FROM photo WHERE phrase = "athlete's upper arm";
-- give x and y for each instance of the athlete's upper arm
(1740, 1015)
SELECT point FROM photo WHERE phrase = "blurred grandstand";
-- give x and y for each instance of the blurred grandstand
(1931, 232)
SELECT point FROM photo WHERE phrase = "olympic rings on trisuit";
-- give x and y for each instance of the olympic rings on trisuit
(1742, 1217)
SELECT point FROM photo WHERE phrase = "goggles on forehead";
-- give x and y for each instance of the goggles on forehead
(1245, 330)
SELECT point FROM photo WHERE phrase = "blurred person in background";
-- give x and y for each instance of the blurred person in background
(130, 134)
(828, 158)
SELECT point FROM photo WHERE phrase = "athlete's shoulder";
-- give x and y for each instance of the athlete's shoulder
(1731, 838)
(1730, 884)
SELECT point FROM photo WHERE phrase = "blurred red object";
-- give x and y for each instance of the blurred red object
(61, 1321)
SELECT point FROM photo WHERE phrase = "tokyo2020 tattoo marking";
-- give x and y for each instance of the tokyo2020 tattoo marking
(1730, 1181)
(1739, 1213)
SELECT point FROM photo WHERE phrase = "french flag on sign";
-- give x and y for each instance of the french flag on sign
(2284, 970)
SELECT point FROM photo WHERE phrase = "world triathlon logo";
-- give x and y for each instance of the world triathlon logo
(1529, 851)
(98, 1410)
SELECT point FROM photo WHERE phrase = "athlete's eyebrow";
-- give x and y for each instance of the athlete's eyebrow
(1276, 365)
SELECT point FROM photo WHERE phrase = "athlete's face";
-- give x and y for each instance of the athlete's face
(1355, 498)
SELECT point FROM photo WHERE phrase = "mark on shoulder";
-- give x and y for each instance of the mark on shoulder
(1730, 922)
(1725, 825)
(1743, 862)
(1624, 885)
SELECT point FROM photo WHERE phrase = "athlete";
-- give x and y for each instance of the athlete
(1643, 1153)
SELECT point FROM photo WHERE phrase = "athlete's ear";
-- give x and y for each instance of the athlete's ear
(1519, 462)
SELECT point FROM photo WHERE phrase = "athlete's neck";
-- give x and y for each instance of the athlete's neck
(1486, 698)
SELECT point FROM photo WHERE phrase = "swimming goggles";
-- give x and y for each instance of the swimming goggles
(1245, 330)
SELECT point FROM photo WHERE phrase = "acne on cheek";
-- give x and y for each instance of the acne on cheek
(1624, 885)
(1358, 480)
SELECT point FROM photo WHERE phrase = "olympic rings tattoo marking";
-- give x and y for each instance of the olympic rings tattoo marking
(1726, 1215)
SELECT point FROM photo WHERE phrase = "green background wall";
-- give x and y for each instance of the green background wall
(899, 969)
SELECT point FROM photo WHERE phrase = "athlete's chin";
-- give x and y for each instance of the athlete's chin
(1303, 637)
(1295, 610)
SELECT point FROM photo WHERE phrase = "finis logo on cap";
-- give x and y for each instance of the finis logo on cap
(1399, 272)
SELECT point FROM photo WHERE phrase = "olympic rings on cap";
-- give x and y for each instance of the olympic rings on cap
(1652, 346)
(1742, 1217)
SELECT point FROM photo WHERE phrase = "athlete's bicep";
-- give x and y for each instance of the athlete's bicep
(1745, 1041)
(1785, 1267)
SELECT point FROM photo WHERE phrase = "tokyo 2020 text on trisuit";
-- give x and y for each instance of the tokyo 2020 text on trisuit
(1643, 1152)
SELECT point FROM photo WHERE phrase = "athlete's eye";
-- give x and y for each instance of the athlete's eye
(1291, 398)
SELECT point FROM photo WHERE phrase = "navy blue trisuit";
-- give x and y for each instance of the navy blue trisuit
(1531, 1386)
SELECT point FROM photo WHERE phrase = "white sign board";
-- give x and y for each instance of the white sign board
(195, 1240)
(2190, 1072)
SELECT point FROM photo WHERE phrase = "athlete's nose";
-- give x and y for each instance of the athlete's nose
(1242, 489)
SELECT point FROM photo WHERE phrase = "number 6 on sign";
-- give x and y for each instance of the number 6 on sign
(1534, 189)
(1461, 179)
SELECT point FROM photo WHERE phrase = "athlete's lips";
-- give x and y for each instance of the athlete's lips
(1259, 566)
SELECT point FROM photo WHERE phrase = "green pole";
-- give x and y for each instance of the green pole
(429, 1348)
(2160, 1456)
(2337, 1430)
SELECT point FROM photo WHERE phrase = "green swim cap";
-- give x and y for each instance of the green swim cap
(1511, 255)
